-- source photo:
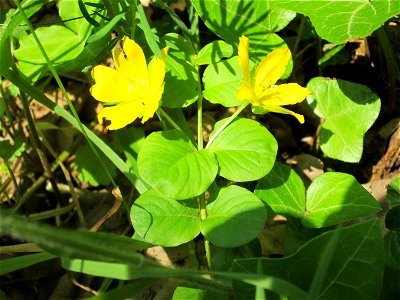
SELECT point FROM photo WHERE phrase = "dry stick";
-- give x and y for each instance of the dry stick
(67, 176)
(37, 146)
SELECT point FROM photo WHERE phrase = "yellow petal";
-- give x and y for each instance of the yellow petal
(110, 85)
(120, 115)
(131, 62)
(245, 92)
(157, 71)
(282, 110)
(270, 69)
(284, 94)
(243, 52)
(152, 103)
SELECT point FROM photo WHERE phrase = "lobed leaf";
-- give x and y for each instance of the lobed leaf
(349, 110)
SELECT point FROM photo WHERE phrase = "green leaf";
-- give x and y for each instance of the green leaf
(340, 21)
(96, 246)
(392, 219)
(355, 271)
(335, 197)
(256, 19)
(392, 249)
(283, 190)
(393, 192)
(213, 52)
(245, 150)
(73, 243)
(221, 82)
(126, 291)
(151, 38)
(70, 12)
(37, 94)
(10, 152)
(181, 83)
(235, 216)
(60, 43)
(30, 8)
(16, 263)
(183, 292)
(89, 169)
(164, 221)
(349, 110)
(170, 164)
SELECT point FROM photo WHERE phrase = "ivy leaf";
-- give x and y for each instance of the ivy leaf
(349, 110)
(355, 270)
(332, 197)
(339, 21)
(335, 197)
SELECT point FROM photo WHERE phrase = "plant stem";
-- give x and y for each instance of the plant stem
(203, 216)
(227, 122)
(168, 118)
(13, 179)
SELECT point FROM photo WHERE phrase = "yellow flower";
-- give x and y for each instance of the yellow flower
(135, 89)
(261, 91)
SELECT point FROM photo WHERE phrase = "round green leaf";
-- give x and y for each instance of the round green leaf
(221, 82)
(349, 110)
(170, 164)
(164, 221)
(283, 190)
(213, 52)
(234, 218)
(245, 150)
(334, 198)
(181, 83)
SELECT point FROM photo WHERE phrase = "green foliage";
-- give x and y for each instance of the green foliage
(229, 211)
(255, 19)
(164, 221)
(188, 193)
(356, 18)
(330, 199)
(245, 150)
(181, 77)
(182, 171)
(16, 263)
(348, 110)
(10, 152)
(353, 272)
(89, 169)
(63, 44)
